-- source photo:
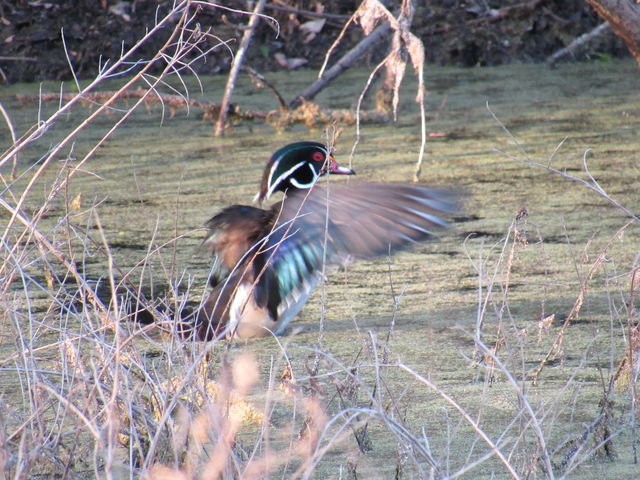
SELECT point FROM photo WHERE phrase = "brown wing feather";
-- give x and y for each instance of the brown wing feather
(365, 219)
(231, 233)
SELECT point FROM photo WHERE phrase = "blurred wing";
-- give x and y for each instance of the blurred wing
(231, 233)
(363, 220)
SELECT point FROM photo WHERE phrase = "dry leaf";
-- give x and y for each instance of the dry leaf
(281, 59)
(238, 409)
(76, 203)
(48, 277)
(296, 63)
(368, 14)
(544, 325)
(289, 63)
(121, 9)
(311, 29)
(313, 26)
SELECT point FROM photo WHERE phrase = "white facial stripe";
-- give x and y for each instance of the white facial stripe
(281, 177)
(313, 172)
(271, 172)
(297, 184)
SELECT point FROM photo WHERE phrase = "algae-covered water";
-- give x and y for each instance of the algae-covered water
(148, 190)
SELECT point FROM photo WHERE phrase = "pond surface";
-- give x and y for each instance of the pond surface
(148, 190)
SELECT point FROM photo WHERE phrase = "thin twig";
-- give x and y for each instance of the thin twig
(494, 448)
(237, 64)
(345, 62)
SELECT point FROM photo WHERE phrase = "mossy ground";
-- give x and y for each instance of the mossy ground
(154, 181)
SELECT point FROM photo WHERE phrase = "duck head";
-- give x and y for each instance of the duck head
(297, 166)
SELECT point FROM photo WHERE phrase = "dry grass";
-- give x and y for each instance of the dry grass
(87, 392)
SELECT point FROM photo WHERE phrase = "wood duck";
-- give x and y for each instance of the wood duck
(267, 262)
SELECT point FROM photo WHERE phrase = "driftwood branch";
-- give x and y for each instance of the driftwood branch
(235, 67)
(210, 110)
(581, 40)
(311, 115)
(307, 13)
(18, 59)
(262, 81)
(504, 12)
(341, 65)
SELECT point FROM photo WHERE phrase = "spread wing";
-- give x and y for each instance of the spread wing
(231, 234)
(326, 226)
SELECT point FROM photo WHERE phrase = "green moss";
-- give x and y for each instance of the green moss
(157, 181)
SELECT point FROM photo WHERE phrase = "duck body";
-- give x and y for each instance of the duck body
(250, 296)
(268, 261)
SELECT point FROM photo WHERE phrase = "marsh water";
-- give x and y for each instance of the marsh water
(148, 190)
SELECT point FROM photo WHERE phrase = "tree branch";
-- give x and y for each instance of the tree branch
(341, 65)
(237, 63)
(624, 18)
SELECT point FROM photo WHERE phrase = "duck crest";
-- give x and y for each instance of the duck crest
(268, 261)
(297, 166)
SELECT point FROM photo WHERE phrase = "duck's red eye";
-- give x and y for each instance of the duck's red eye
(318, 156)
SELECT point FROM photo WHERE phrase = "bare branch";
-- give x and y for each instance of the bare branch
(237, 64)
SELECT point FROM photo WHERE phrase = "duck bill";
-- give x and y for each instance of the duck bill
(334, 168)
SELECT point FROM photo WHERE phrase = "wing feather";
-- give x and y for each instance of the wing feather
(360, 221)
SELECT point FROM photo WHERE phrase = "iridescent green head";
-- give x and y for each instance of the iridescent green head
(297, 166)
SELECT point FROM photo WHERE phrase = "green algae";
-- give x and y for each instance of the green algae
(157, 180)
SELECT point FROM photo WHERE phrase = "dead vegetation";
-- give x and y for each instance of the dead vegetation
(87, 392)
(99, 395)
